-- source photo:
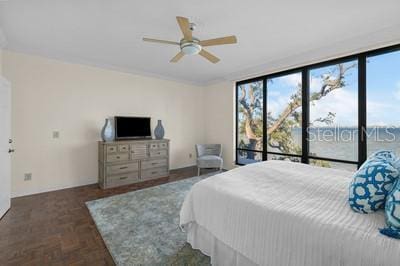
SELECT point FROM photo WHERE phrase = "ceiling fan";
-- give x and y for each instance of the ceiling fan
(190, 45)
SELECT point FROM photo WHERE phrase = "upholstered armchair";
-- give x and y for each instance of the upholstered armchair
(209, 156)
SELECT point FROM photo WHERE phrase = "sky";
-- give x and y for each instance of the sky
(383, 89)
(279, 91)
(342, 102)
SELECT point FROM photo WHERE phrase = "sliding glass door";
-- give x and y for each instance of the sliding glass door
(330, 114)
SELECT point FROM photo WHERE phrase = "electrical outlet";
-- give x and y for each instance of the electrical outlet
(190, 155)
(56, 134)
(28, 177)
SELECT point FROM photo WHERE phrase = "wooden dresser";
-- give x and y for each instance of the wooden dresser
(131, 161)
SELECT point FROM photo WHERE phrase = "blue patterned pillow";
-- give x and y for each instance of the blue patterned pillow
(371, 184)
(392, 212)
(384, 155)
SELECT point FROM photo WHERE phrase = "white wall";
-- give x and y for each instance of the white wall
(219, 118)
(1, 61)
(73, 99)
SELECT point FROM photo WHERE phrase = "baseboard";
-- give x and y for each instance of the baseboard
(40, 191)
(4, 214)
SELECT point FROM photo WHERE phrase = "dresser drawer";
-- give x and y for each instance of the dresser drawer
(153, 173)
(118, 157)
(159, 145)
(137, 146)
(158, 153)
(153, 146)
(138, 154)
(163, 145)
(154, 163)
(123, 148)
(122, 168)
(111, 149)
(122, 179)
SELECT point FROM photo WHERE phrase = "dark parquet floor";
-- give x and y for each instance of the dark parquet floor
(55, 228)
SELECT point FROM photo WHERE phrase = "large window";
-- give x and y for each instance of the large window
(331, 114)
(383, 102)
(284, 116)
(333, 101)
(250, 122)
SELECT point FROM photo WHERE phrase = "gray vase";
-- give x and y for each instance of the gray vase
(159, 130)
(107, 133)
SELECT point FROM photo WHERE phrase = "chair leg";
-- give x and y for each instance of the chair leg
(198, 171)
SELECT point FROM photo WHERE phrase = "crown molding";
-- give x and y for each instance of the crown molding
(77, 61)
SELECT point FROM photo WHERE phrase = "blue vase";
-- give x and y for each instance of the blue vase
(159, 130)
(107, 133)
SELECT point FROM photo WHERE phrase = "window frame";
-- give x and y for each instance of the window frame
(327, 64)
(273, 76)
(361, 59)
(237, 118)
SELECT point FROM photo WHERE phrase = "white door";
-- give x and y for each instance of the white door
(5, 146)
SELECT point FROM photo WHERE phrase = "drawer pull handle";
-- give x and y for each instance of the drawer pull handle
(153, 163)
(123, 177)
(153, 173)
(118, 157)
(125, 167)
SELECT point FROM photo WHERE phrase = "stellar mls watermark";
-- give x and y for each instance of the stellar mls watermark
(339, 133)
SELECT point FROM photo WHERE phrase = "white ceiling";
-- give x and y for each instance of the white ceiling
(271, 34)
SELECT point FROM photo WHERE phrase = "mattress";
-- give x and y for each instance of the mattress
(283, 213)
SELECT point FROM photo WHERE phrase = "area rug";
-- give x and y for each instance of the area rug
(142, 227)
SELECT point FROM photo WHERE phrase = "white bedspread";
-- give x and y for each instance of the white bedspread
(282, 213)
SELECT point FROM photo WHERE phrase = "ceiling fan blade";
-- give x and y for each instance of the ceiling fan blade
(177, 57)
(185, 28)
(219, 41)
(210, 57)
(160, 41)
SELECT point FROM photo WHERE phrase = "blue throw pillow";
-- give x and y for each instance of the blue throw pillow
(372, 183)
(384, 155)
(392, 212)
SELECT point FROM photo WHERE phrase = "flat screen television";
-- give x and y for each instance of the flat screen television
(132, 127)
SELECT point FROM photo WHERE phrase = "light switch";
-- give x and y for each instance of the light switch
(27, 176)
(56, 134)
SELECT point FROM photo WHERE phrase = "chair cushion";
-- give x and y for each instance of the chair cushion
(372, 183)
(392, 213)
(209, 161)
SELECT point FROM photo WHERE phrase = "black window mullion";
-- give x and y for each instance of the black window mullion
(362, 109)
(237, 122)
(265, 139)
(305, 115)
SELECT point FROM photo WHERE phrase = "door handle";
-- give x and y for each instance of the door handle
(10, 141)
(11, 150)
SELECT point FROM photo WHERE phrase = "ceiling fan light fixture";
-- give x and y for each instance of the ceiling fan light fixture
(190, 48)
(190, 45)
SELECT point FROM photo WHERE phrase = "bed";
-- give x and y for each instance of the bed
(283, 213)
